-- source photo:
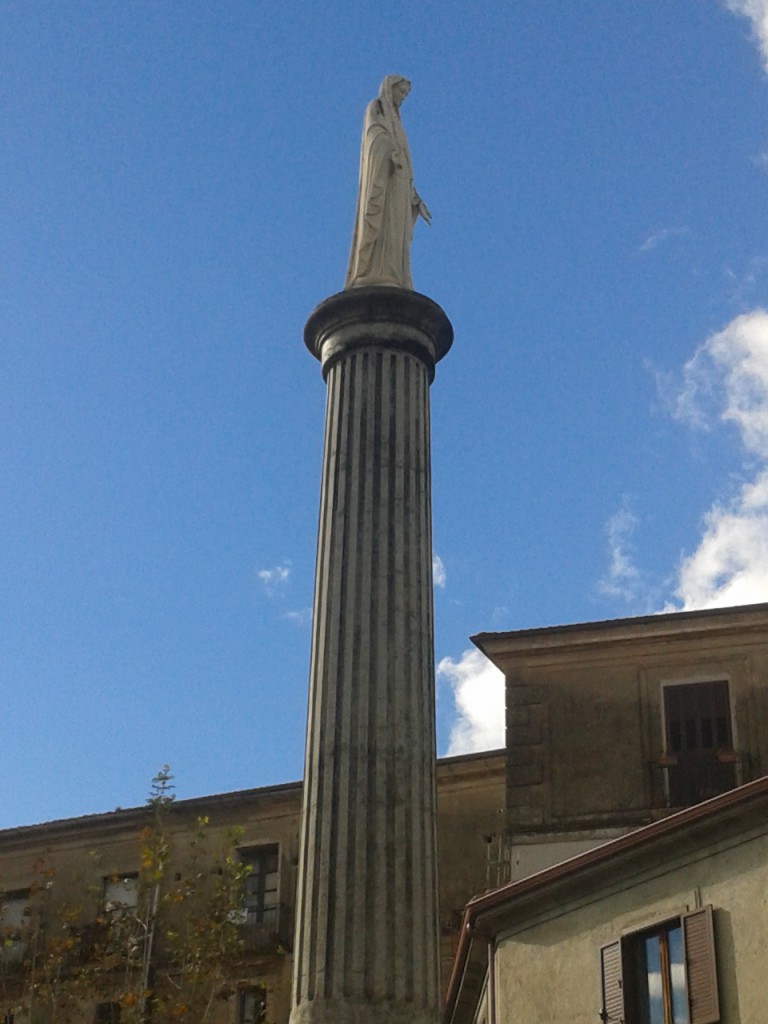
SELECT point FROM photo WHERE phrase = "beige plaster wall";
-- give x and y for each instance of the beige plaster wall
(550, 970)
(529, 856)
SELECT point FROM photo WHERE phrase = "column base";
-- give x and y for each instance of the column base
(349, 1011)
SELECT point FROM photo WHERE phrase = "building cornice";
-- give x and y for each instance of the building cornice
(110, 822)
(122, 818)
(589, 637)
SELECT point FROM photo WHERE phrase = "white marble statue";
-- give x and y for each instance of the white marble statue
(387, 203)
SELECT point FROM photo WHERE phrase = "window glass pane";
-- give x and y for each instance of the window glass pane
(121, 892)
(653, 980)
(677, 976)
(270, 887)
(14, 922)
(13, 910)
(252, 1006)
(261, 885)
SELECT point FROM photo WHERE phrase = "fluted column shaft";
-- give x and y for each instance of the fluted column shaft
(367, 938)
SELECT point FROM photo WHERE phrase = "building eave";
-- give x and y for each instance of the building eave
(584, 636)
(121, 818)
(125, 817)
(483, 915)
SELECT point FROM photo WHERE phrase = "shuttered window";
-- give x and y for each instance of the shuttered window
(698, 731)
(662, 975)
(612, 1011)
(701, 973)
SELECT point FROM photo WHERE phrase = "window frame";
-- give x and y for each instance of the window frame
(670, 759)
(115, 909)
(260, 994)
(260, 913)
(13, 934)
(619, 973)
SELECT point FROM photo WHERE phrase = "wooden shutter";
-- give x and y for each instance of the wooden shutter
(700, 966)
(612, 1011)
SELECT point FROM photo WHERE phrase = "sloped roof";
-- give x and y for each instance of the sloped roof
(736, 812)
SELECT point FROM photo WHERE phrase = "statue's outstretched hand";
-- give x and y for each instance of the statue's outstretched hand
(421, 208)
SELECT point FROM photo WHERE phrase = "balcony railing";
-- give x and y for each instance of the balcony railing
(266, 929)
(678, 780)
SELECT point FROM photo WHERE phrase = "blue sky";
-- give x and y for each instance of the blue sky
(178, 191)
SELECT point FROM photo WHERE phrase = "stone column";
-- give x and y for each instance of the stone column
(366, 930)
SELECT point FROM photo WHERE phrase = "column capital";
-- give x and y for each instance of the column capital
(381, 317)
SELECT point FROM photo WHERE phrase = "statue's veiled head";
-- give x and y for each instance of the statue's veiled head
(394, 89)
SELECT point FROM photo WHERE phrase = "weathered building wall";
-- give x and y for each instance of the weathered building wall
(82, 852)
(470, 826)
(548, 967)
(77, 856)
(587, 752)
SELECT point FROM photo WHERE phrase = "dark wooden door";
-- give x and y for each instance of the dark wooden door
(698, 729)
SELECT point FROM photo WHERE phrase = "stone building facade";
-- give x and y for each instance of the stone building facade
(635, 822)
(612, 725)
(647, 735)
(93, 862)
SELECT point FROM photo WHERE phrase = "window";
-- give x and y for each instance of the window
(121, 893)
(260, 902)
(659, 970)
(252, 1006)
(697, 720)
(662, 975)
(14, 916)
(107, 1013)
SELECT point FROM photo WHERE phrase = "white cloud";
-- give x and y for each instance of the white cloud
(439, 575)
(478, 691)
(623, 577)
(654, 239)
(727, 381)
(730, 565)
(275, 578)
(757, 12)
(659, 236)
(299, 616)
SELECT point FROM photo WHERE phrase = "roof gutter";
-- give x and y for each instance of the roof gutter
(732, 801)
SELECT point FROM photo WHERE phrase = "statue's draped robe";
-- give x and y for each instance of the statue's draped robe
(386, 204)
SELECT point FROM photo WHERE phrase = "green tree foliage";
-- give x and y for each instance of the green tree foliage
(167, 953)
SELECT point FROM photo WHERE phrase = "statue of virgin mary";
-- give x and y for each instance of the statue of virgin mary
(387, 203)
